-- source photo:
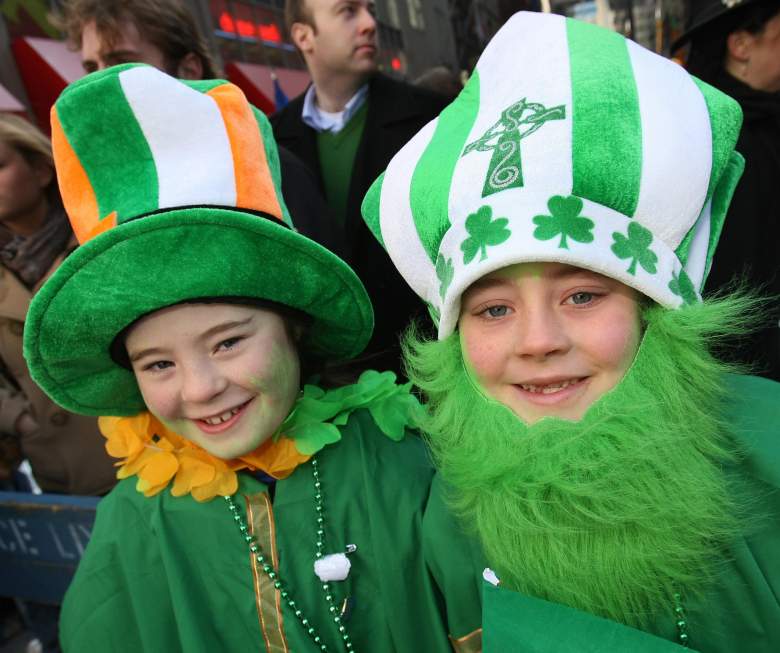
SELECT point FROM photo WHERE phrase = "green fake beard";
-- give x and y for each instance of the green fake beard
(611, 514)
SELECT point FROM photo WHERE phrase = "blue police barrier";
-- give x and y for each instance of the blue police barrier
(42, 539)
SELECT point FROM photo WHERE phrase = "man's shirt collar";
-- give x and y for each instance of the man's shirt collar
(321, 121)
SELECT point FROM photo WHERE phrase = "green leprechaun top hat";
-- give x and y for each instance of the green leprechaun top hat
(172, 189)
(569, 144)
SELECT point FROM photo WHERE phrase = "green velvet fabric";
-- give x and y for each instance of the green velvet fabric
(164, 259)
(739, 612)
(105, 152)
(606, 127)
(110, 157)
(170, 574)
(337, 158)
(431, 184)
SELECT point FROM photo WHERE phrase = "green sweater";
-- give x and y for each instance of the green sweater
(337, 157)
(171, 574)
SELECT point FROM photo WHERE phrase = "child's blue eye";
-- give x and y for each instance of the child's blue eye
(496, 311)
(581, 298)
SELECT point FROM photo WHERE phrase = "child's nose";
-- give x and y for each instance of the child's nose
(201, 382)
(541, 334)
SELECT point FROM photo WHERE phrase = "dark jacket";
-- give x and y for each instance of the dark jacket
(750, 242)
(304, 200)
(396, 112)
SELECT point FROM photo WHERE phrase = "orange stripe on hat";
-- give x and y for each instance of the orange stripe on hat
(78, 196)
(254, 185)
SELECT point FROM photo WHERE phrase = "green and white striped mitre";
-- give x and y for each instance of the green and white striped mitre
(572, 144)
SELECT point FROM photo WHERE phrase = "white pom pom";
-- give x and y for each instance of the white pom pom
(490, 576)
(335, 566)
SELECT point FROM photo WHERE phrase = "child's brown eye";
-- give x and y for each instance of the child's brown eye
(158, 366)
(229, 343)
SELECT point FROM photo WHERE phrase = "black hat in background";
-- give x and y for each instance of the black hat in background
(703, 13)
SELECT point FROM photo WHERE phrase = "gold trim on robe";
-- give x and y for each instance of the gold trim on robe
(260, 518)
(471, 643)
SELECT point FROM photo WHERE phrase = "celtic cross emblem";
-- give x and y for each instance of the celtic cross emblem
(517, 122)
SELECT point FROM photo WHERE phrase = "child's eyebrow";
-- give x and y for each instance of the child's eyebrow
(223, 326)
(486, 283)
(208, 333)
(152, 351)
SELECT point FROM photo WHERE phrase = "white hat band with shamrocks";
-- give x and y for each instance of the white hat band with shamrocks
(570, 144)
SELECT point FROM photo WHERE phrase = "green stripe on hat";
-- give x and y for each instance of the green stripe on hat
(724, 134)
(204, 85)
(432, 179)
(720, 105)
(370, 208)
(102, 152)
(721, 198)
(601, 74)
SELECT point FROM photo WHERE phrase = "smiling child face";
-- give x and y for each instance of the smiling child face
(224, 376)
(547, 339)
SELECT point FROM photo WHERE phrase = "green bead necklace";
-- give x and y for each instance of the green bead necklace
(265, 565)
(682, 624)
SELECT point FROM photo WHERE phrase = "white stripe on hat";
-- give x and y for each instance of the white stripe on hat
(695, 265)
(675, 127)
(396, 221)
(190, 136)
(545, 154)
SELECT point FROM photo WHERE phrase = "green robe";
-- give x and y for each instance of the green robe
(739, 613)
(171, 574)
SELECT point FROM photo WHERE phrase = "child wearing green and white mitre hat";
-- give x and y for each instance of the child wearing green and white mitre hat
(255, 514)
(559, 218)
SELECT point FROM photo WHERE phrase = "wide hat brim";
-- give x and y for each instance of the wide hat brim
(705, 15)
(168, 258)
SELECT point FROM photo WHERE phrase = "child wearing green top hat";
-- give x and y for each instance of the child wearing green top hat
(255, 512)
(560, 218)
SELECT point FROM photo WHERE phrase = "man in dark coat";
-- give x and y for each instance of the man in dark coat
(347, 127)
(736, 48)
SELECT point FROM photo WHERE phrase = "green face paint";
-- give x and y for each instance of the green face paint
(519, 271)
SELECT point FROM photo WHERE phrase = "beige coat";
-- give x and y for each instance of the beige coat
(66, 451)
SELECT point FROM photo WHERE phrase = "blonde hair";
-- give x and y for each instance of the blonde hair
(29, 141)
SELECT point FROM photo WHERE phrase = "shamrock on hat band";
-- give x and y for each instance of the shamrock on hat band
(568, 144)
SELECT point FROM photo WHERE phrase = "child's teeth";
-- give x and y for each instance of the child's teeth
(547, 389)
(224, 417)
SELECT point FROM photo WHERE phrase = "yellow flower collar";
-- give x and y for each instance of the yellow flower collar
(157, 455)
